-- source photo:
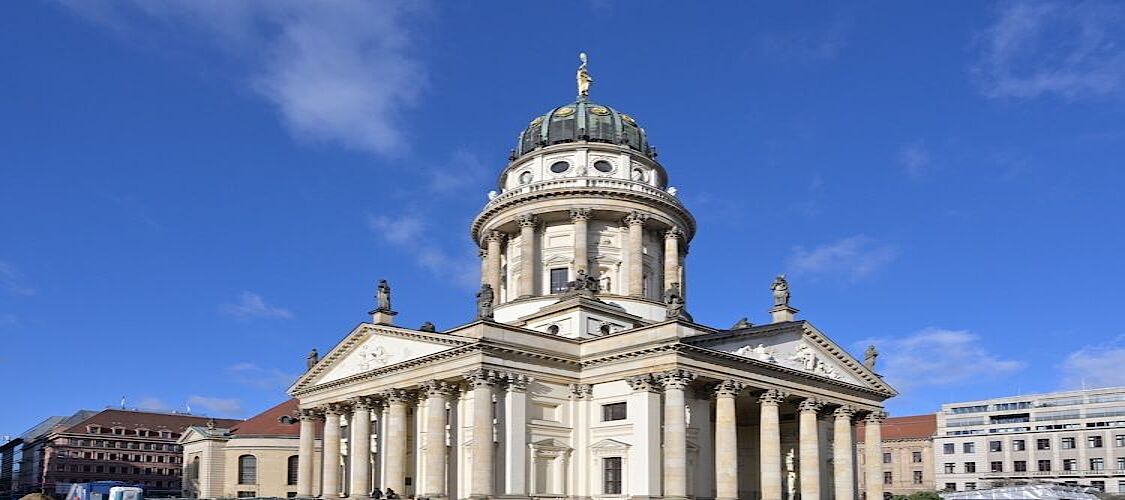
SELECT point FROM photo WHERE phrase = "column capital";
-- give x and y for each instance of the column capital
(645, 382)
(577, 214)
(810, 404)
(636, 218)
(526, 220)
(674, 233)
(395, 396)
(581, 391)
(309, 414)
(482, 253)
(361, 403)
(336, 408)
(844, 412)
(435, 388)
(676, 379)
(516, 382)
(772, 397)
(496, 236)
(480, 378)
(729, 388)
(875, 417)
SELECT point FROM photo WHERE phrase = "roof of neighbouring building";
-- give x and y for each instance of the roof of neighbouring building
(133, 420)
(268, 423)
(911, 427)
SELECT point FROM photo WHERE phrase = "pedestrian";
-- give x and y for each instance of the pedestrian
(377, 493)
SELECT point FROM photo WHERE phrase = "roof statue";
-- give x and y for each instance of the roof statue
(780, 289)
(312, 359)
(428, 327)
(869, 357)
(484, 302)
(383, 296)
(583, 77)
(674, 300)
(743, 323)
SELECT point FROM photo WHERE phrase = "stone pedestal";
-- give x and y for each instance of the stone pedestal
(382, 316)
(781, 314)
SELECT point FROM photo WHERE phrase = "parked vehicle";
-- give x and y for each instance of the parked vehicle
(105, 490)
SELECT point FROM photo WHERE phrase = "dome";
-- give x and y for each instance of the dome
(583, 121)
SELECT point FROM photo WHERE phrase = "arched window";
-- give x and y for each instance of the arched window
(247, 469)
(291, 471)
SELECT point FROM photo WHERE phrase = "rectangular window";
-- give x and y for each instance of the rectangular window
(614, 411)
(1070, 464)
(886, 458)
(611, 475)
(1067, 443)
(916, 457)
(1097, 464)
(1094, 441)
(970, 486)
(950, 486)
(1042, 444)
(888, 478)
(997, 467)
(970, 466)
(247, 494)
(995, 446)
(949, 467)
(1044, 466)
(559, 277)
(917, 477)
(968, 447)
(1019, 466)
(1121, 465)
(1018, 445)
(1099, 485)
(948, 447)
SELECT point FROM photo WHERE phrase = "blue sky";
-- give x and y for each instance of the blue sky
(193, 194)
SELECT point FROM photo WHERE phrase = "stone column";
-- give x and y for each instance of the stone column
(873, 453)
(495, 238)
(306, 448)
(484, 277)
(527, 224)
(515, 434)
(675, 432)
(483, 450)
(394, 443)
(359, 447)
(437, 392)
(672, 257)
(726, 440)
(770, 446)
(579, 398)
(636, 222)
(580, 217)
(644, 455)
(809, 436)
(842, 468)
(330, 464)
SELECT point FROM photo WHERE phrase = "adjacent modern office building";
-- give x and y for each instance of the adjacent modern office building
(583, 373)
(907, 454)
(1075, 437)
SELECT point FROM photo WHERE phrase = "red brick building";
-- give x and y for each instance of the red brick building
(120, 445)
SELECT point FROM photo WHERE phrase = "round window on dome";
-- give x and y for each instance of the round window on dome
(559, 167)
(603, 166)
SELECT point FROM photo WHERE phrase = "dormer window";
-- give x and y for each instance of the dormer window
(94, 429)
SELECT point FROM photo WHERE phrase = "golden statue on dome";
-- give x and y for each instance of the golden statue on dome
(583, 77)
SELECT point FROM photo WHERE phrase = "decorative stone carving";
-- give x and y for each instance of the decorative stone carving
(869, 357)
(306, 414)
(742, 324)
(645, 382)
(383, 296)
(805, 358)
(583, 283)
(674, 233)
(312, 359)
(516, 382)
(674, 300)
(729, 388)
(485, 298)
(373, 357)
(428, 327)
(480, 377)
(672, 190)
(810, 404)
(844, 412)
(676, 379)
(780, 288)
(581, 391)
(875, 417)
(577, 214)
(436, 388)
(495, 236)
(772, 397)
(361, 403)
(636, 218)
(758, 352)
(396, 396)
(526, 220)
(335, 409)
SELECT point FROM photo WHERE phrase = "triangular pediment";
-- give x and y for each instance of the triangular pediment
(796, 346)
(609, 445)
(373, 347)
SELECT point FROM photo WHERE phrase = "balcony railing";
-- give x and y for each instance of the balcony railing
(584, 182)
(1056, 473)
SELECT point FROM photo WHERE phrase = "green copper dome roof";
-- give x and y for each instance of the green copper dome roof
(583, 120)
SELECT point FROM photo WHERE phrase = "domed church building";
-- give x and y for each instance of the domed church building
(583, 374)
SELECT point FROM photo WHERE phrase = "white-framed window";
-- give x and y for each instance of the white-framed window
(612, 474)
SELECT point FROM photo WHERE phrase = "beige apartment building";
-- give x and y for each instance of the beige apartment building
(906, 455)
(1074, 437)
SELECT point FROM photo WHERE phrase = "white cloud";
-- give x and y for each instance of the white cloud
(12, 280)
(850, 259)
(262, 378)
(1071, 49)
(219, 407)
(252, 305)
(342, 72)
(915, 160)
(938, 357)
(407, 231)
(1095, 366)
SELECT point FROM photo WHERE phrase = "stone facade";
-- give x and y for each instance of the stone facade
(906, 455)
(584, 375)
